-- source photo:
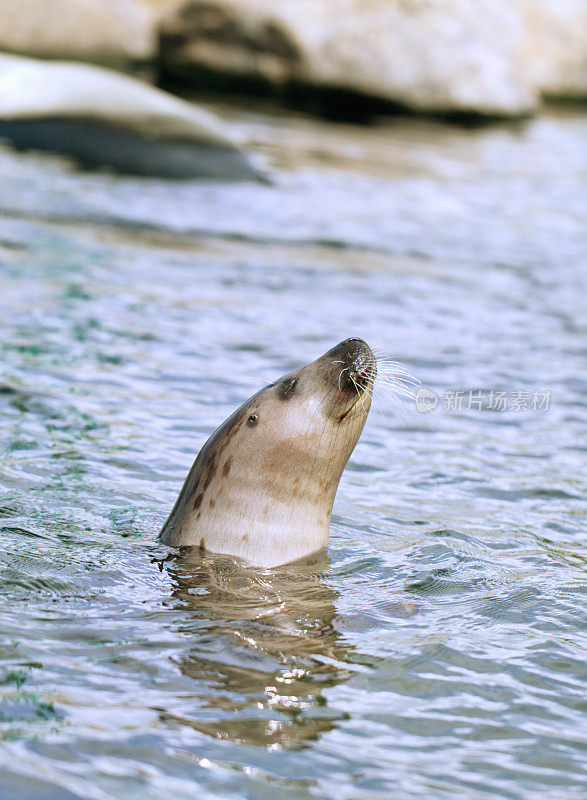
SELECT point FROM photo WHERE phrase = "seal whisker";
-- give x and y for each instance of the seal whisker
(396, 406)
(359, 393)
(388, 367)
(402, 414)
(398, 387)
(256, 379)
(369, 391)
(393, 374)
(397, 379)
(394, 370)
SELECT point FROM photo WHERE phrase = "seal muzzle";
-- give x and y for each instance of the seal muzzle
(355, 366)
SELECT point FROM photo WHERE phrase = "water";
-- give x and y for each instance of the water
(437, 650)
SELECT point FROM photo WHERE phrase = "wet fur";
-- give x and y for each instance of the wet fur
(263, 485)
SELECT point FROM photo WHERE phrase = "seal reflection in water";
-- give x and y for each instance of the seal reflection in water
(263, 650)
(263, 485)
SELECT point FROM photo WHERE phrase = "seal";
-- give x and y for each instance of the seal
(263, 485)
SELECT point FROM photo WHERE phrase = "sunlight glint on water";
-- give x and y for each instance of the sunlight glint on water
(438, 648)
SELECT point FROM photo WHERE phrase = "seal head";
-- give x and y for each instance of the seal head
(263, 485)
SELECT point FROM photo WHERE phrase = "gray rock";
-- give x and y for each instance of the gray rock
(89, 30)
(491, 57)
(103, 118)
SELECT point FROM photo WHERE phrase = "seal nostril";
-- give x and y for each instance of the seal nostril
(352, 352)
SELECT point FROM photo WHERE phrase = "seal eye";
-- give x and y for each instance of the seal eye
(252, 420)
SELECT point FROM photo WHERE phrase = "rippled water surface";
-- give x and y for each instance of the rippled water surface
(437, 649)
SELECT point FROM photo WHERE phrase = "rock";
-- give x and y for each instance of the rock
(89, 30)
(103, 118)
(556, 46)
(491, 57)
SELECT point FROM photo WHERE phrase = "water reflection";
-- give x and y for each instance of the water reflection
(457, 545)
(264, 649)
